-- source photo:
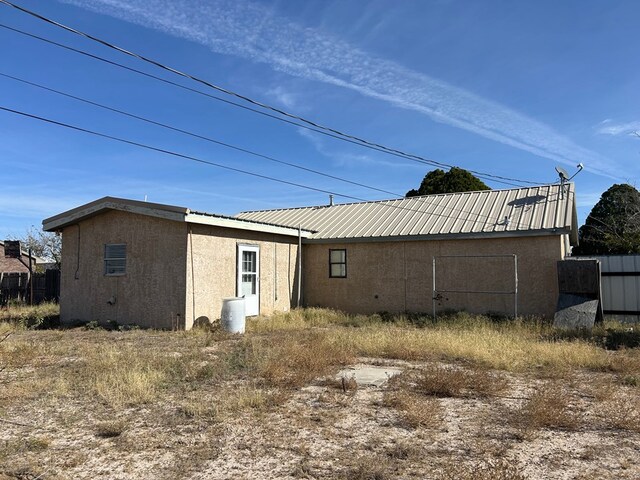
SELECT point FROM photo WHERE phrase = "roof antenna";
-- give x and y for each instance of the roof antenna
(564, 177)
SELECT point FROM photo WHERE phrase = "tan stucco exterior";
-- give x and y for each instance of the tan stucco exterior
(178, 272)
(397, 276)
(212, 275)
(151, 294)
(171, 267)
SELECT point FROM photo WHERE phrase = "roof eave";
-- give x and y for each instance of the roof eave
(75, 215)
(451, 236)
(167, 212)
(240, 224)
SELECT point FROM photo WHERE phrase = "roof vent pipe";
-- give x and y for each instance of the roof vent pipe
(331, 200)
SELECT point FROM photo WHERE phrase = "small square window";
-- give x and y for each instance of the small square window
(115, 259)
(337, 263)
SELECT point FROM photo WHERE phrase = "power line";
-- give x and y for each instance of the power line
(195, 135)
(233, 169)
(199, 92)
(315, 125)
(176, 154)
(220, 99)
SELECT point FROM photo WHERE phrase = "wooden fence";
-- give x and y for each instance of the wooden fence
(16, 287)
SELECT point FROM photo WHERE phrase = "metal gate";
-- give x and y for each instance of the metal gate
(514, 292)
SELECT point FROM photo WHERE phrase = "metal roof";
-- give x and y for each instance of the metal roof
(545, 209)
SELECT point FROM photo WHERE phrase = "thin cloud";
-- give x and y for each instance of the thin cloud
(587, 199)
(252, 31)
(283, 97)
(610, 128)
(342, 159)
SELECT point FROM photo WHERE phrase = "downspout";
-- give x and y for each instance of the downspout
(299, 266)
(193, 282)
(75, 275)
(275, 272)
(404, 265)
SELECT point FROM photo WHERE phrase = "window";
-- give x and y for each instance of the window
(337, 263)
(115, 259)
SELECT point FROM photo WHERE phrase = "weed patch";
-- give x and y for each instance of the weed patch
(415, 410)
(447, 381)
(549, 406)
(45, 315)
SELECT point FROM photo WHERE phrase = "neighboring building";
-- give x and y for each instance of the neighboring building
(17, 265)
(14, 274)
(164, 266)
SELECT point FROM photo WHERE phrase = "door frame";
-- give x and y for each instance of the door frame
(252, 305)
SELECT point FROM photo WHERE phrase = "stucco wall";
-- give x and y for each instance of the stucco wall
(151, 294)
(397, 276)
(213, 251)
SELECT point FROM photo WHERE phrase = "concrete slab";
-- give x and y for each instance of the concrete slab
(369, 375)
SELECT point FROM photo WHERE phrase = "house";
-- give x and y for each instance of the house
(169, 267)
(10, 264)
(14, 272)
(165, 266)
(381, 256)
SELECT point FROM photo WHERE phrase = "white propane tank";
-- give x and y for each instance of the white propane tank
(232, 317)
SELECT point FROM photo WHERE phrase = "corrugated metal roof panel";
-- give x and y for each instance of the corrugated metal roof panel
(543, 208)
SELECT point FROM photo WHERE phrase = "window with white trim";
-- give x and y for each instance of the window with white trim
(337, 263)
(115, 259)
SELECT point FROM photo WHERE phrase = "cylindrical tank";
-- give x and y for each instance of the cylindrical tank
(232, 318)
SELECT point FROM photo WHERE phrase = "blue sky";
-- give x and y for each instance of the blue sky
(508, 88)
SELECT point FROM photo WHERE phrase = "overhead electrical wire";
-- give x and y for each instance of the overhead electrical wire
(196, 135)
(213, 97)
(239, 170)
(169, 152)
(315, 125)
(220, 99)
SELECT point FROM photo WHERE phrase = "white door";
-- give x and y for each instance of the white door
(249, 277)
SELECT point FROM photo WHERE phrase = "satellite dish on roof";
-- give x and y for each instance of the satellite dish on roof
(564, 176)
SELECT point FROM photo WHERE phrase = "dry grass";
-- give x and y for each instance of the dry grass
(621, 412)
(500, 469)
(549, 406)
(110, 428)
(415, 410)
(292, 360)
(447, 381)
(45, 315)
(141, 395)
(507, 345)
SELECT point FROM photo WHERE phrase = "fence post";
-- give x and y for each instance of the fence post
(30, 279)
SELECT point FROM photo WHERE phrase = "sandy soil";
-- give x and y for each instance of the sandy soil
(321, 431)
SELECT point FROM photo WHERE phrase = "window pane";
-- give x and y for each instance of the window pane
(249, 262)
(115, 258)
(248, 286)
(338, 256)
(114, 267)
(339, 270)
(115, 251)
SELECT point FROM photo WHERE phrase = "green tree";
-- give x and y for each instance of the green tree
(455, 180)
(613, 226)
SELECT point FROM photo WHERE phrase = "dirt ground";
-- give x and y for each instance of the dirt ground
(327, 428)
